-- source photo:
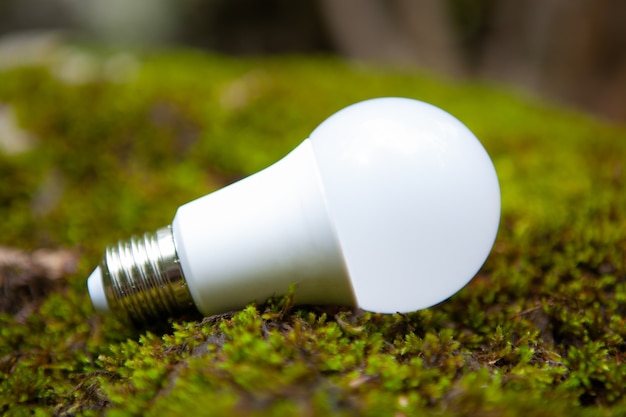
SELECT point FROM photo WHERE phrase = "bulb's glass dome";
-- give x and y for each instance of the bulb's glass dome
(414, 199)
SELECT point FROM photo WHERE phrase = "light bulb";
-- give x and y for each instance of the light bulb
(391, 205)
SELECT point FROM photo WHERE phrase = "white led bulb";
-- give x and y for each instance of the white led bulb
(391, 205)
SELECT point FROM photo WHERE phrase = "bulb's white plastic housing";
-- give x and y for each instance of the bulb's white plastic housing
(256, 237)
(391, 205)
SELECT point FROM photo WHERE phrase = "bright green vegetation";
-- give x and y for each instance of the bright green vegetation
(540, 331)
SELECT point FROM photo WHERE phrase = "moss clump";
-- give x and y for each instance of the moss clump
(540, 330)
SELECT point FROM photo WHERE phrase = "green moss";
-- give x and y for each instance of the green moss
(539, 331)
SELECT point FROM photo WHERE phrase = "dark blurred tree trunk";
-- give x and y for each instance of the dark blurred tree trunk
(399, 32)
(572, 50)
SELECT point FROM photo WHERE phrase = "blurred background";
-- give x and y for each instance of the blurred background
(568, 51)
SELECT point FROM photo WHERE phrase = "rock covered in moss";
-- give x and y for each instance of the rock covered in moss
(118, 142)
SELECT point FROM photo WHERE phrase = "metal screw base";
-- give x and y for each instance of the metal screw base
(143, 279)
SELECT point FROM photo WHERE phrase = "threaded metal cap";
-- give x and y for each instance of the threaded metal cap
(143, 279)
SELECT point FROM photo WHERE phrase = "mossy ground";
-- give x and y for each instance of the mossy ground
(118, 142)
